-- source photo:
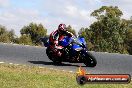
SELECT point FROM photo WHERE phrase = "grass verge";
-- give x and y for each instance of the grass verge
(12, 76)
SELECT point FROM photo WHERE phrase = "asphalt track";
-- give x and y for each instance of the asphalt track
(28, 55)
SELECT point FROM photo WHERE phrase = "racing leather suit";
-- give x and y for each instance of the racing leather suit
(55, 37)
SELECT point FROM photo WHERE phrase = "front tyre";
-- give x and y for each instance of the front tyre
(89, 60)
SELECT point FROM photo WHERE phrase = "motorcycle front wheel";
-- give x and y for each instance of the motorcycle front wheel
(89, 60)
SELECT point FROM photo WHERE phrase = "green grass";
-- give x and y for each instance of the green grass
(12, 76)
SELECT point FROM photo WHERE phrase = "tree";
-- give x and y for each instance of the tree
(6, 36)
(12, 35)
(25, 39)
(70, 29)
(128, 39)
(82, 32)
(108, 33)
(35, 31)
(107, 11)
(109, 30)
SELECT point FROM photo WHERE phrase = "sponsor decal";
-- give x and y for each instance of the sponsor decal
(82, 77)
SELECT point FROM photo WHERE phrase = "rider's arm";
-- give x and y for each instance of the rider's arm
(69, 34)
(53, 39)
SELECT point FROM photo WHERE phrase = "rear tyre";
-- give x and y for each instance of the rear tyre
(89, 60)
(56, 60)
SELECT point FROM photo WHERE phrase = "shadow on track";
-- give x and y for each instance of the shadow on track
(51, 63)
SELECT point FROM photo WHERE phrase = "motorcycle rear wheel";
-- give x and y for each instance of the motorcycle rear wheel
(50, 55)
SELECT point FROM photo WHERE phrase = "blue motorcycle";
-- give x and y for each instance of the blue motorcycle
(73, 50)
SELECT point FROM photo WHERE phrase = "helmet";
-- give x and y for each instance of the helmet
(62, 27)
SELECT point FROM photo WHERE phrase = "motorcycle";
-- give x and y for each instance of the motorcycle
(73, 49)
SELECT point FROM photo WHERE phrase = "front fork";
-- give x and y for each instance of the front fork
(83, 53)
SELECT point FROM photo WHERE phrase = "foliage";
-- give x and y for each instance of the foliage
(70, 29)
(6, 36)
(108, 33)
(128, 40)
(34, 31)
(107, 11)
(25, 39)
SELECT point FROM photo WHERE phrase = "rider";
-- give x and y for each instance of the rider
(56, 36)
